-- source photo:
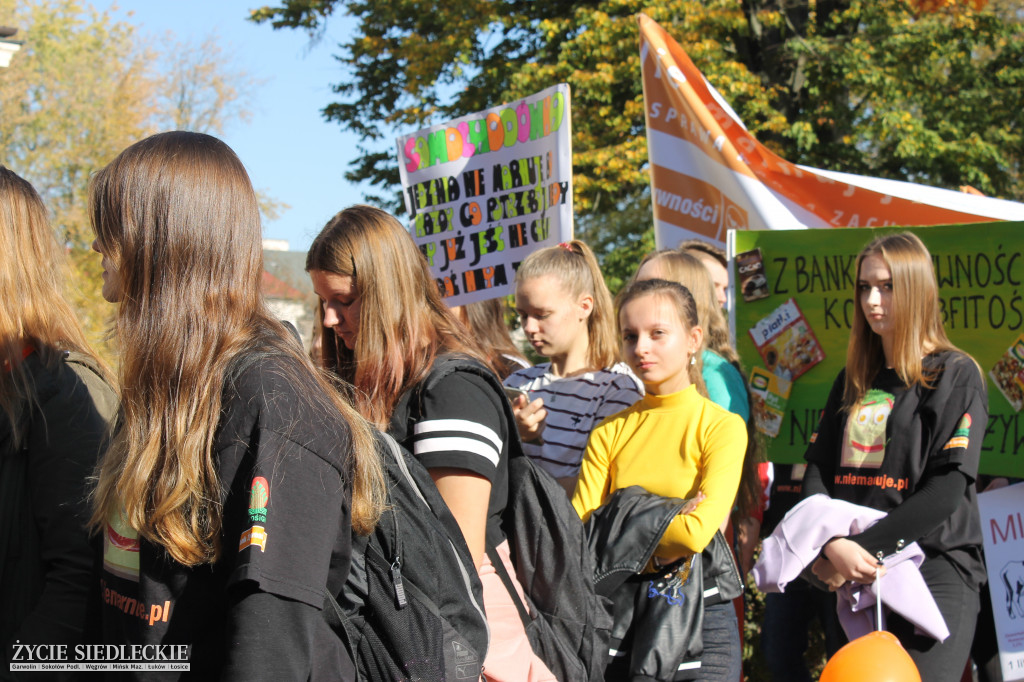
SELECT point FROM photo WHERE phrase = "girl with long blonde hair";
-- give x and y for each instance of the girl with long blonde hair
(566, 312)
(388, 333)
(909, 408)
(236, 477)
(56, 401)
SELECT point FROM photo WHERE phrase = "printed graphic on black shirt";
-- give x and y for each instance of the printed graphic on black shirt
(121, 549)
(864, 445)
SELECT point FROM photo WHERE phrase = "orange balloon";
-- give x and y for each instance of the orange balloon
(875, 657)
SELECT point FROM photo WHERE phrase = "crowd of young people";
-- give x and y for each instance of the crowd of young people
(208, 492)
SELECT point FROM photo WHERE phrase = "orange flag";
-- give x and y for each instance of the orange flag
(709, 175)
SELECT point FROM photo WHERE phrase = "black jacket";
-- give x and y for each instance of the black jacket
(45, 556)
(652, 636)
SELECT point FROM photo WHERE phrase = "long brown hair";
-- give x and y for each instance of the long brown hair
(915, 314)
(576, 267)
(177, 216)
(486, 321)
(404, 323)
(35, 313)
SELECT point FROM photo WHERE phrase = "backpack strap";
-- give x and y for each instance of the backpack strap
(452, 362)
(409, 407)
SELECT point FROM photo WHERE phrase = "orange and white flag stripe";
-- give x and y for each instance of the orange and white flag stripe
(709, 174)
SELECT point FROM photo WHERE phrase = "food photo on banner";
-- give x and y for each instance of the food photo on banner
(485, 190)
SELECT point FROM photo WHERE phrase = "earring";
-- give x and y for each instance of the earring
(693, 359)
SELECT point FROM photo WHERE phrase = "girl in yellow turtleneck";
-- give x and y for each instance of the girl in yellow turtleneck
(674, 442)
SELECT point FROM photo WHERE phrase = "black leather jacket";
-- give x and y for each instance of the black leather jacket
(649, 638)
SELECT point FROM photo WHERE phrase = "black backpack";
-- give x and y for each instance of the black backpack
(412, 607)
(570, 625)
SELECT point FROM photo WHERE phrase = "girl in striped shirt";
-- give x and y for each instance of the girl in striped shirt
(566, 313)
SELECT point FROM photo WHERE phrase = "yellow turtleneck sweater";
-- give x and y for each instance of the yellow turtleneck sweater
(671, 445)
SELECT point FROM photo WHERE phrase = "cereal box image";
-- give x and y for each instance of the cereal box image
(786, 342)
(769, 394)
(1008, 374)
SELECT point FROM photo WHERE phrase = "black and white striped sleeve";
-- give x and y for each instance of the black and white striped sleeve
(462, 426)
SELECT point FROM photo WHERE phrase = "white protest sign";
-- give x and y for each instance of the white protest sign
(485, 190)
(1002, 526)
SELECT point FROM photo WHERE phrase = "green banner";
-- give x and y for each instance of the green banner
(980, 270)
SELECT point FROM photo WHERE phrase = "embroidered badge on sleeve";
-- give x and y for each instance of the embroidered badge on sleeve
(259, 496)
(960, 437)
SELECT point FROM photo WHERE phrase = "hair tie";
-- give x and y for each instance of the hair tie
(565, 245)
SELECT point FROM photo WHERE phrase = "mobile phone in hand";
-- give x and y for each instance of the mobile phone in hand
(514, 393)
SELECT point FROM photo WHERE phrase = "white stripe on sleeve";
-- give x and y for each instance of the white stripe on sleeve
(465, 425)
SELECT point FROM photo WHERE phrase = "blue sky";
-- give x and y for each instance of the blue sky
(291, 153)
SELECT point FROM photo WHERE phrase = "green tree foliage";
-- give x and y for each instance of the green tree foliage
(74, 96)
(77, 93)
(82, 88)
(862, 86)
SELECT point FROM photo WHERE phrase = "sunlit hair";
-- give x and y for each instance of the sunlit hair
(689, 271)
(177, 216)
(915, 315)
(486, 322)
(404, 323)
(702, 249)
(35, 312)
(576, 267)
(685, 306)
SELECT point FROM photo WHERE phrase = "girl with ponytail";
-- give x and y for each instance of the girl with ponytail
(566, 312)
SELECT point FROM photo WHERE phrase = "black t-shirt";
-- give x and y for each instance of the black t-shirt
(283, 463)
(461, 424)
(881, 453)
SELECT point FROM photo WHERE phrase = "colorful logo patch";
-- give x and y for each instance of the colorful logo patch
(960, 437)
(254, 537)
(259, 495)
